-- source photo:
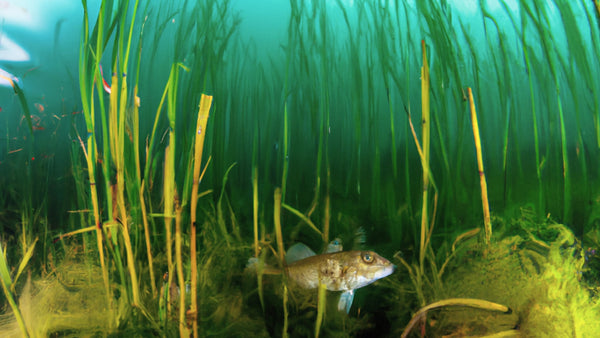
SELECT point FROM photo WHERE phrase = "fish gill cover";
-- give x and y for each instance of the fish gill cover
(153, 147)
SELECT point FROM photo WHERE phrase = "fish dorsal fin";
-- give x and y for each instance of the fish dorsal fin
(297, 252)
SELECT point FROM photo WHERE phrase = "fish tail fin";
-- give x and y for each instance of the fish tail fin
(255, 264)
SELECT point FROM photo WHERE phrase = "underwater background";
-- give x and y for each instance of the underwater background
(152, 147)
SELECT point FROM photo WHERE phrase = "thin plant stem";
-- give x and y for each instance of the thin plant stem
(303, 217)
(203, 113)
(8, 288)
(327, 207)
(277, 221)
(169, 198)
(183, 331)
(484, 196)
(565, 157)
(538, 167)
(220, 217)
(463, 302)
(284, 332)
(321, 306)
(392, 128)
(117, 126)
(87, 69)
(255, 200)
(285, 152)
(142, 183)
(425, 136)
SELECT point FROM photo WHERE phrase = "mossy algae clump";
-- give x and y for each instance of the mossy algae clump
(540, 280)
(69, 300)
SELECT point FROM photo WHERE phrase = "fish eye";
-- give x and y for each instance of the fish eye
(367, 257)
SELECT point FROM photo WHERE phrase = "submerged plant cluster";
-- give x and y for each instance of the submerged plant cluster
(193, 150)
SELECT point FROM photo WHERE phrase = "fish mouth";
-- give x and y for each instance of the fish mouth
(385, 271)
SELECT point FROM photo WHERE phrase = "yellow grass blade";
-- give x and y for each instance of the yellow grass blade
(462, 302)
(321, 302)
(425, 136)
(277, 219)
(203, 112)
(169, 198)
(24, 262)
(304, 218)
(183, 330)
(484, 197)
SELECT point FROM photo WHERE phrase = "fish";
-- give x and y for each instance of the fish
(339, 271)
(107, 88)
(39, 107)
(334, 246)
(7, 79)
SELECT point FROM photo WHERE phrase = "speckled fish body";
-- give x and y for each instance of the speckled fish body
(339, 271)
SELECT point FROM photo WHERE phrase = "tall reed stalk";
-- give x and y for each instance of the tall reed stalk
(280, 253)
(183, 330)
(168, 212)
(203, 112)
(277, 220)
(325, 116)
(255, 200)
(425, 137)
(88, 69)
(484, 196)
(538, 166)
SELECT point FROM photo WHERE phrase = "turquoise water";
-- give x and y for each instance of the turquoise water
(312, 97)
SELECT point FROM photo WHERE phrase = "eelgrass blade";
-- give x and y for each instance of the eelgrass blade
(203, 113)
(26, 257)
(23, 102)
(565, 158)
(169, 183)
(304, 218)
(425, 137)
(183, 330)
(87, 72)
(285, 152)
(462, 302)
(4, 272)
(484, 197)
(220, 217)
(141, 197)
(538, 169)
(284, 333)
(139, 178)
(321, 306)
(118, 136)
(277, 220)
(255, 200)
(7, 287)
(169, 200)
(554, 60)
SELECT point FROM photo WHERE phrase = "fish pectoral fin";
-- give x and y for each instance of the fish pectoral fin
(345, 302)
